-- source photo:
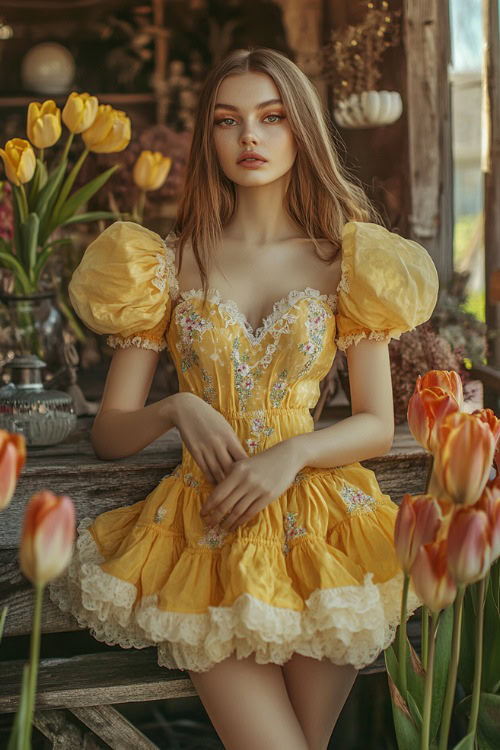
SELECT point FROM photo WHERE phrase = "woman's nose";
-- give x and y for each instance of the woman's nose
(248, 137)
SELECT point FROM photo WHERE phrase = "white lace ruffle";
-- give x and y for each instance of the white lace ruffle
(347, 625)
(116, 341)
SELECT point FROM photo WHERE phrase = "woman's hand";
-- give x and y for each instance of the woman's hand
(252, 483)
(209, 438)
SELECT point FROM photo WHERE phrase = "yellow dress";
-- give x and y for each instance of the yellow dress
(315, 571)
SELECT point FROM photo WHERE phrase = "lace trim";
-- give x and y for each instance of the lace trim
(280, 308)
(169, 244)
(348, 625)
(343, 342)
(116, 341)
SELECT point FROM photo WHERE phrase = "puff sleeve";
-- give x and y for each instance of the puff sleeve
(121, 286)
(389, 285)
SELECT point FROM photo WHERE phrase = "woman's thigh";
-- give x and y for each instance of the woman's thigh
(248, 705)
(317, 691)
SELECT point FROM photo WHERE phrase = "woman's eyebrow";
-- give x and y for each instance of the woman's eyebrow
(259, 106)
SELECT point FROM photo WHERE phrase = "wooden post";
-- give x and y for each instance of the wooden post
(161, 60)
(491, 168)
(426, 28)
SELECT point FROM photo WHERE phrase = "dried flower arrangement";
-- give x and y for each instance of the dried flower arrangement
(351, 60)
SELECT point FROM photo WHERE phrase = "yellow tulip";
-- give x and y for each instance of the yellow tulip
(19, 160)
(151, 170)
(79, 111)
(44, 123)
(46, 545)
(110, 131)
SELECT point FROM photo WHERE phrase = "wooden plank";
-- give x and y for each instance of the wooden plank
(121, 676)
(66, 734)
(114, 728)
(103, 678)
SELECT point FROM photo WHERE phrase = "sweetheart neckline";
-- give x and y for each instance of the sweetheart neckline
(213, 295)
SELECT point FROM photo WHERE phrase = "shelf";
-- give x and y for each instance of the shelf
(115, 98)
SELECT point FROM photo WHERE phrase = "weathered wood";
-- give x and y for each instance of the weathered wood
(122, 676)
(427, 41)
(114, 728)
(491, 165)
(65, 733)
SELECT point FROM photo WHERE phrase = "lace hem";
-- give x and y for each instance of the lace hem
(170, 243)
(347, 625)
(116, 341)
(344, 341)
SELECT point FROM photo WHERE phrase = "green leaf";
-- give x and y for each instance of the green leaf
(415, 712)
(81, 196)
(406, 730)
(392, 665)
(488, 720)
(30, 240)
(415, 676)
(441, 665)
(90, 216)
(46, 253)
(3, 617)
(49, 189)
(13, 264)
(467, 640)
(467, 743)
(16, 739)
(491, 640)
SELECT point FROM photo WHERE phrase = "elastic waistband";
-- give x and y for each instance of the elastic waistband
(267, 413)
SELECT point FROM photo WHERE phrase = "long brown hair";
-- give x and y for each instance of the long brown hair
(321, 196)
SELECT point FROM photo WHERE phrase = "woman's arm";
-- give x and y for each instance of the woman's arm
(370, 430)
(123, 425)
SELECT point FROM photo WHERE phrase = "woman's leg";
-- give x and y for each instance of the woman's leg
(317, 691)
(248, 705)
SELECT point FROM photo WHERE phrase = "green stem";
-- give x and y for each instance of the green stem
(65, 190)
(40, 155)
(402, 638)
(425, 635)
(478, 656)
(24, 203)
(67, 147)
(453, 668)
(33, 668)
(426, 719)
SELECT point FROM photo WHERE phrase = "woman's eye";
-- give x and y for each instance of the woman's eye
(224, 121)
(279, 117)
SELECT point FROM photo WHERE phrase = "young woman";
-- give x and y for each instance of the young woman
(264, 564)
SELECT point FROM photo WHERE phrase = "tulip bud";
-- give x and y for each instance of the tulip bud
(463, 453)
(110, 131)
(151, 170)
(19, 160)
(47, 539)
(12, 460)
(426, 408)
(449, 380)
(469, 550)
(418, 522)
(431, 578)
(79, 111)
(44, 123)
(490, 504)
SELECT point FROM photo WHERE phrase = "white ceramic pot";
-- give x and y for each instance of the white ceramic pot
(368, 109)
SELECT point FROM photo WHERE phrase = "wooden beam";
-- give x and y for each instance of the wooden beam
(426, 30)
(491, 167)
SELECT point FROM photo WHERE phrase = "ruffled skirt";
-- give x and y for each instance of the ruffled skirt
(314, 572)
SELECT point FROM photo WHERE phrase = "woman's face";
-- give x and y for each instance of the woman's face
(249, 116)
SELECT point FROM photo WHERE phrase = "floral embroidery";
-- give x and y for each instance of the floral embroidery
(213, 537)
(278, 389)
(190, 480)
(258, 428)
(316, 326)
(291, 529)
(209, 390)
(160, 513)
(356, 500)
(169, 243)
(243, 379)
(192, 328)
(299, 477)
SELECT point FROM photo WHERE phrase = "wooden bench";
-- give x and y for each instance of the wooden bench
(87, 685)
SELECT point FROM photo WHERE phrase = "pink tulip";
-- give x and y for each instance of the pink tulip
(469, 550)
(12, 460)
(490, 504)
(431, 578)
(448, 380)
(47, 538)
(463, 453)
(418, 522)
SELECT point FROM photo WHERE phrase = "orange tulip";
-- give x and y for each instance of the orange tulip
(47, 538)
(431, 578)
(12, 460)
(430, 403)
(490, 504)
(418, 522)
(469, 550)
(463, 453)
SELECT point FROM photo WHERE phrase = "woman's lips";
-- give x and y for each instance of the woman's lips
(251, 163)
